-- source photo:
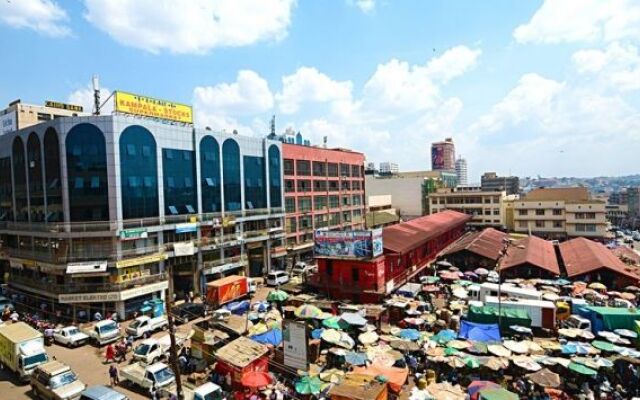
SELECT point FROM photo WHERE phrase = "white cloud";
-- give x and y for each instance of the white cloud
(310, 85)
(618, 65)
(454, 62)
(190, 26)
(84, 98)
(366, 6)
(43, 16)
(558, 21)
(249, 94)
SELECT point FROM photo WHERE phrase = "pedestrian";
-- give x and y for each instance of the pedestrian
(113, 374)
(97, 316)
(154, 392)
(109, 353)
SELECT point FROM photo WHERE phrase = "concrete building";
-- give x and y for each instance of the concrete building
(486, 208)
(443, 155)
(558, 213)
(618, 214)
(408, 190)
(380, 212)
(19, 115)
(633, 201)
(461, 171)
(388, 168)
(490, 181)
(323, 189)
(96, 212)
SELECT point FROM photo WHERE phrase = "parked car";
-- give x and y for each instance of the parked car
(252, 285)
(70, 336)
(276, 278)
(102, 332)
(56, 381)
(188, 311)
(577, 322)
(302, 269)
(145, 326)
(100, 392)
(145, 376)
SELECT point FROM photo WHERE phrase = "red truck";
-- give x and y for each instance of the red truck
(226, 290)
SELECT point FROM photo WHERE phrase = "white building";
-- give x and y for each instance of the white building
(388, 168)
(461, 171)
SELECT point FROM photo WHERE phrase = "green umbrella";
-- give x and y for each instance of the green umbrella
(463, 282)
(471, 362)
(497, 394)
(335, 323)
(581, 369)
(277, 295)
(309, 385)
(450, 351)
(604, 346)
(432, 279)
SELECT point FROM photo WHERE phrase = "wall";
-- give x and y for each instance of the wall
(406, 193)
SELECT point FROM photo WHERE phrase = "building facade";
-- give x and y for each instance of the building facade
(486, 208)
(461, 172)
(559, 213)
(19, 115)
(323, 189)
(490, 181)
(388, 168)
(443, 155)
(97, 212)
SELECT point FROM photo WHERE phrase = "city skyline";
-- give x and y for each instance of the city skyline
(536, 88)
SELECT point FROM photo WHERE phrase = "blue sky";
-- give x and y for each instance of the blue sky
(524, 87)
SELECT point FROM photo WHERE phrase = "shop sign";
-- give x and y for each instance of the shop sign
(228, 220)
(184, 249)
(221, 268)
(351, 244)
(63, 106)
(186, 227)
(294, 337)
(15, 264)
(87, 267)
(140, 291)
(133, 234)
(8, 123)
(134, 104)
(89, 297)
(20, 263)
(130, 262)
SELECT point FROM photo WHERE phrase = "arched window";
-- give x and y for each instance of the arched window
(179, 170)
(53, 184)
(255, 192)
(210, 174)
(138, 173)
(275, 180)
(231, 174)
(19, 179)
(34, 167)
(87, 174)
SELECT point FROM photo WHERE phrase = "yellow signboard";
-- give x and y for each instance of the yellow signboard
(129, 103)
(130, 262)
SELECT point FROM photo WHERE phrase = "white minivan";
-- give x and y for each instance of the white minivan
(276, 278)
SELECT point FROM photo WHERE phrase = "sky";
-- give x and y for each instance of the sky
(525, 87)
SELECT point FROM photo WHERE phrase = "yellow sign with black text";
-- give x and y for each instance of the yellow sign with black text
(129, 103)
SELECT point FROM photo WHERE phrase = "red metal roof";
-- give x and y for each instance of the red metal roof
(407, 236)
(534, 251)
(486, 243)
(582, 255)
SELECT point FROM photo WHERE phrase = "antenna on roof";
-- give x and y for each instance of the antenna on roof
(96, 94)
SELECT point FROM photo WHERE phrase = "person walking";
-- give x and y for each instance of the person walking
(154, 392)
(109, 354)
(113, 374)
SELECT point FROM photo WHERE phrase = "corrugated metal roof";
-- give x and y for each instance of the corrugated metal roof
(486, 243)
(581, 255)
(407, 236)
(531, 250)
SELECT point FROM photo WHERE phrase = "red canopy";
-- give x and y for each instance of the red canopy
(254, 379)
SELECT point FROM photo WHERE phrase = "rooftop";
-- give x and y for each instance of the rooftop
(571, 194)
(241, 352)
(486, 243)
(534, 251)
(582, 256)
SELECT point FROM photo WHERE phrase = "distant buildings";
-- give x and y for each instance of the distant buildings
(443, 155)
(486, 208)
(461, 171)
(388, 168)
(490, 181)
(19, 115)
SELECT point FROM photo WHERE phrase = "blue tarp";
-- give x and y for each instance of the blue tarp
(272, 337)
(238, 307)
(444, 336)
(479, 332)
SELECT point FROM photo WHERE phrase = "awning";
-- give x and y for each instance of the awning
(87, 267)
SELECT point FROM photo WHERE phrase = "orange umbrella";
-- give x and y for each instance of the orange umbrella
(255, 379)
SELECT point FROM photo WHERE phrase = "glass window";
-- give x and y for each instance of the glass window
(303, 167)
(79, 184)
(320, 202)
(320, 186)
(290, 204)
(319, 168)
(179, 173)
(355, 170)
(304, 204)
(36, 189)
(91, 202)
(288, 167)
(52, 176)
(334, 201)
(289, 185)
(304, 186)
(275, 178)
(345, 170)
(140, 200)
(332, 169)
(231, 173)
(20, 180)
(255, 193)
(6, 190)
(210, 171)
(173, 210)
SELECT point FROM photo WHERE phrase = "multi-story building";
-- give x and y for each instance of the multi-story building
(633, 201)
(19, 115)
(98, 212)
(323, 189)
(408, 190)
(443, 155)
(461, 171)
(618, 214)
(388, 168)
(490, 181)
(486, 208)
(559, 213)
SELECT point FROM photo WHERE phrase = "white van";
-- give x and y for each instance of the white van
(276, 278)
(481, 292)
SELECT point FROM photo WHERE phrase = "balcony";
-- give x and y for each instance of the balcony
(80, 287)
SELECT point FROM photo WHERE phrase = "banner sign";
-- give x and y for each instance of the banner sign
(86, 267)
(63, 106)
(184, 249)
(130, 262)
(133, 234)
(186, 227)
(134, 104)
(353, 244)
(8, 122)
(294, 338)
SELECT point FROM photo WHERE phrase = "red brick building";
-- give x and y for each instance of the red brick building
(323, 189)
(409, 247)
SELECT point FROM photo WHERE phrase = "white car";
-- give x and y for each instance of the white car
(145, 326)
(276, 278)
(70, 336)
(302, 269)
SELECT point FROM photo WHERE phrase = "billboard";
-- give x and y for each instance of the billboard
(437, 157)
(8, 122)
(129, 103)
(354, 244)
(63, 106)
(294, 338)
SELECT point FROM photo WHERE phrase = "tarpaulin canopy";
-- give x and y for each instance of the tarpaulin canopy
(272, 337)
(610, 318)
(489, 315)
(238, 307)
(479, 332)
(409, 289)
(396, 376)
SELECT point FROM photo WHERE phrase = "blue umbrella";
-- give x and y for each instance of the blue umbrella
(261, 306)
(238, 307)
(562, 282)
(316, 333)
(445, 336)
(354, 358)
(353, 319)
(409, 334)
(272, 337)
(575, 348)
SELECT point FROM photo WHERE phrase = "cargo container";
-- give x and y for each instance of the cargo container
(226, 290)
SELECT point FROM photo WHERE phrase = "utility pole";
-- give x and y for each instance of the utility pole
(173, 354)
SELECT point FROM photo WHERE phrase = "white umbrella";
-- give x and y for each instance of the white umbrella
(516, 347)
(527, 363)
(499, 350)
(626, 333)
(460, 293)
(481, 271)
(369, 337)
(550, 296)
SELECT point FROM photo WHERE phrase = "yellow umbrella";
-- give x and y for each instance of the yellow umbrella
(332, 375)
(597, 286)
(258, 328)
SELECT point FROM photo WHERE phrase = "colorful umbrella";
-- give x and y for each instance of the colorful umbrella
(527, 363)
(581, 369)
(482, 271)
(404, 345)
(353, 319)
(516, 347)
(430, 279)
(545, 378)
(478, 348)
(496, 363)
(626, 333)
(317, 333)
(332, 375)
(277, 295)
(309, 385)
(476, 386)
(255, 379)
(450, 351)
(307, 311)
(597, 286)
(471, 362)
(604, 346)
(498, 394)
(409, 334)
(335, 323)
(459, 344)
(444, 336)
